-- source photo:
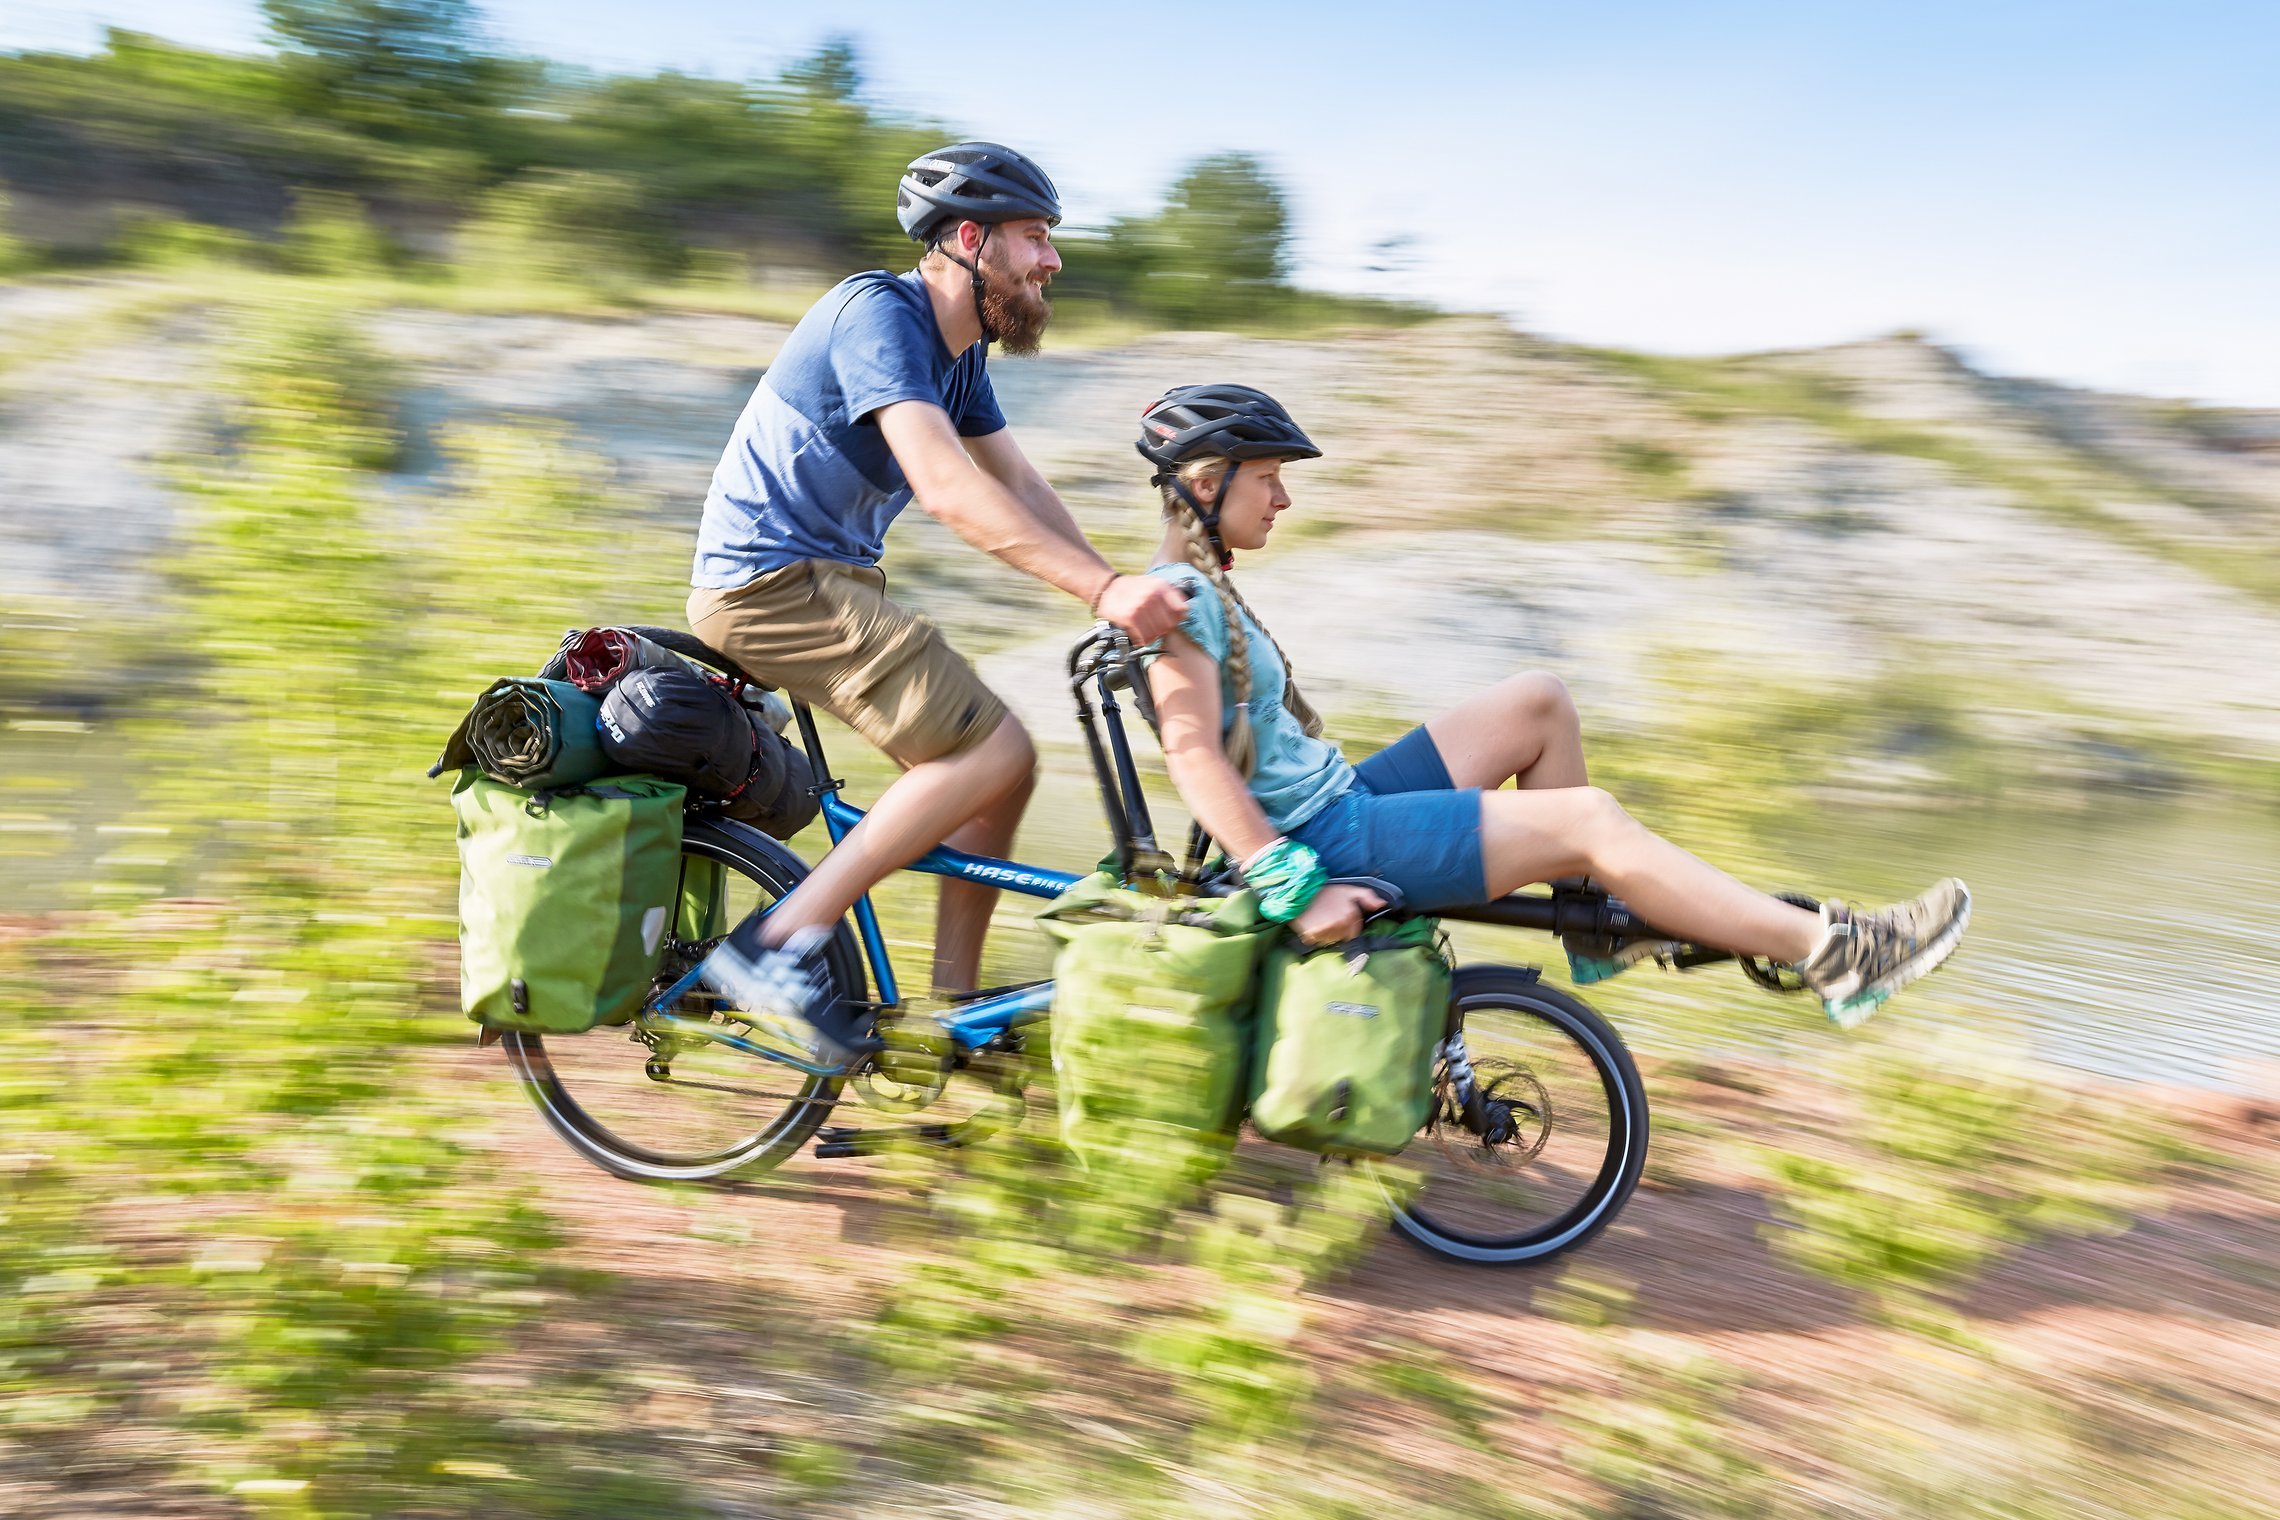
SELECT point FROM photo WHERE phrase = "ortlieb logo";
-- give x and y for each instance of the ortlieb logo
(541, 861)
(1358, 1010)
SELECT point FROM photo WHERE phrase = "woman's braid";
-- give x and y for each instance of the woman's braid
(1241, 742)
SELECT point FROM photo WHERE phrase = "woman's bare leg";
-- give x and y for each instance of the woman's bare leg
(1523, 729)
(1536, 835)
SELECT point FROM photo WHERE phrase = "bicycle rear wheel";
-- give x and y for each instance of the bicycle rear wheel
(680, 1110)
(1572, 1140)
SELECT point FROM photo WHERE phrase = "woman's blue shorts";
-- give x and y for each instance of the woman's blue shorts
(1405, 825)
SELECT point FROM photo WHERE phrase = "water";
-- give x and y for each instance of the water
(2136, 939)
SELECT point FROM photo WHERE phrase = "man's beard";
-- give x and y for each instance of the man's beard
(1017, 313)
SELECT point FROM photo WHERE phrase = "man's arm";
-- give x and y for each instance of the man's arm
(978, 507)
(1002, 458)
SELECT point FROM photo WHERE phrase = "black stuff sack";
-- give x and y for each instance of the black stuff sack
(679, 725)
(781, 799)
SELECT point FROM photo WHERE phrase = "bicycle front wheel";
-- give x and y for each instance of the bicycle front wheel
(688, 1109)
(1569, 1137)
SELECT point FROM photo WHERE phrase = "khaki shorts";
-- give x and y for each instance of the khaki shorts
(826, 633)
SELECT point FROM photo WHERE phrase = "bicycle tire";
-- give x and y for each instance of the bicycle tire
(774, 870)
(1428, 1220)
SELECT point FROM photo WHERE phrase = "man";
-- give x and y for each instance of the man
(879, 395)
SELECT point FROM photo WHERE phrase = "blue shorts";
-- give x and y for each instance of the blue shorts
(1405, 825)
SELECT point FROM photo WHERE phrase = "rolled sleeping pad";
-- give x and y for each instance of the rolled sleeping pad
(525, 732)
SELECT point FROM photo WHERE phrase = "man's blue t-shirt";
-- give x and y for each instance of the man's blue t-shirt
(807, 473)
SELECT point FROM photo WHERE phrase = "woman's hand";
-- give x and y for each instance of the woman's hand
(1336, 914)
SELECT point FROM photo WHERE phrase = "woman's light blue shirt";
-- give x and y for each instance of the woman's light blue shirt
(1297, 774)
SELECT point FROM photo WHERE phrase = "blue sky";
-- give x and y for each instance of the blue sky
(2086, 191)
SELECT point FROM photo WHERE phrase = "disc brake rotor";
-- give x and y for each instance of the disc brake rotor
(1519, 1114)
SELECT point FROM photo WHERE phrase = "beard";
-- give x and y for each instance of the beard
(1015, 310)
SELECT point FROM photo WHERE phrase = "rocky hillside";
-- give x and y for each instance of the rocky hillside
(1874, 523)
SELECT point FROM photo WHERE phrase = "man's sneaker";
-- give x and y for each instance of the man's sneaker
(790, 985)
(1864, 958)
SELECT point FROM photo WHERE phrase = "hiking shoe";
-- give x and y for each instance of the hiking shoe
(1596, 957)
(1864, 958)
(789, 985)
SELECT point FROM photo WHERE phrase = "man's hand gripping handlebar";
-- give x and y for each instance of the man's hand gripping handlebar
(1145, 607)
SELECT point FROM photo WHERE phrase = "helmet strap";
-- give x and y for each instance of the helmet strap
(974, 272)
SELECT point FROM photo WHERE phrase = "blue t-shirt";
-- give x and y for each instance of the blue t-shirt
(807, 473)
(1297, 775)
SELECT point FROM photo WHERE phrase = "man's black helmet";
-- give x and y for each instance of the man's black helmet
(972, 182)
(1219, 422)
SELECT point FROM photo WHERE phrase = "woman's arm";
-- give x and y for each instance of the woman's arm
(1185, 681)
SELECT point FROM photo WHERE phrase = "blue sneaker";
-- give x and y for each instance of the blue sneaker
(789, 985)
(1865, 958)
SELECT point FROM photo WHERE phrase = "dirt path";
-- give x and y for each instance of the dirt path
(2172, 1323)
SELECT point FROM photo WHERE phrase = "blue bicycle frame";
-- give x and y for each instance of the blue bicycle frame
(973, 1024)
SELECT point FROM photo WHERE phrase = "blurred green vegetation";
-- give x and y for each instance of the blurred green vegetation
(270, 1248)
(516, 172)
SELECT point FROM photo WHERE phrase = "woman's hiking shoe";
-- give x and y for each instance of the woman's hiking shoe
(790, 985)
(1864, 958)
(1596, 957)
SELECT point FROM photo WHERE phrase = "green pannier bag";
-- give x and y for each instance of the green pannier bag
(1150, 1029)
(1346, 1039)
(703, 913)
(564, 899)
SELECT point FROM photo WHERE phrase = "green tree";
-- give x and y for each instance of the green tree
(412, 70)
(1219, 248)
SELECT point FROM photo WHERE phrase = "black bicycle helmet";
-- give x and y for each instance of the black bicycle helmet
(1219, 422)
(972, 182)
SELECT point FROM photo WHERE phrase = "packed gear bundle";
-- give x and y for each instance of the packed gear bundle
(570, 797)
(1173, 1015)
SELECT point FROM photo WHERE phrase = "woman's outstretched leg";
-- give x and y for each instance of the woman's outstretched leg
(1853, 962)
(1531, 836)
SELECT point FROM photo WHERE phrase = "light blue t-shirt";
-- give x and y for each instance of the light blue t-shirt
(1297, 775)
(807, 473)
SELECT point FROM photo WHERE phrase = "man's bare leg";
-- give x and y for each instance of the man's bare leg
(962, 913)
(924, 806)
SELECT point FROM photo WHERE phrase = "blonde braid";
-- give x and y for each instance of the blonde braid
(1241, 743)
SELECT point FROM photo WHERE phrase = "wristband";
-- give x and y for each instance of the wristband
(1286, 875)
(1093, 606)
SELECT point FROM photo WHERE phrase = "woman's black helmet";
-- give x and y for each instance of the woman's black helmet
(1219, 422)
(972, 182)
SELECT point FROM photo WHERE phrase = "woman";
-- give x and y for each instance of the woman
(1428, 821)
